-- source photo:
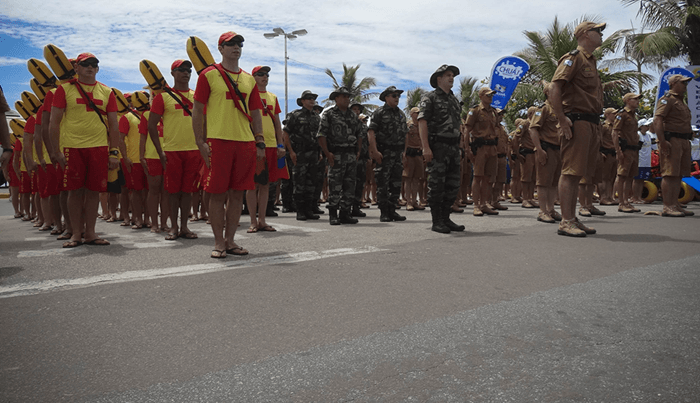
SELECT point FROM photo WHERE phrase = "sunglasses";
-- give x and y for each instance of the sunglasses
(262, 74)
(395, 95)
(88, 63)
(183, 69)
(598, 30)
(232, 43)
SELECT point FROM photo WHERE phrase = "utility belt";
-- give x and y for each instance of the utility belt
(683, 136)
(547, 145)
(341, 150)
(588, 117)
(501, 155)
(450, 141)
(608, 151)
(392, 147)
(306, 146)
(634, 147)
(526, 151)
(413, 152)
(480, 142)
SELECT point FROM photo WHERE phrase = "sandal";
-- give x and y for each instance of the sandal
(98, 242)
(56, 232)
(65, 236)
(72, 244)
(237, 251)
(137, 226)
(125, 224)
(188, 235)
(252, 229)
(218, 254)
(171, 237)
(267, 228)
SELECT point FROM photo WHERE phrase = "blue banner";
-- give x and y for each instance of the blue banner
(507, 73)
(663, 81)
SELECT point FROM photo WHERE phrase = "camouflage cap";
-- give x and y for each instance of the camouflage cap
(586, 26)
(439, 71)
(389, 90)
(339, 91)
(678, 77)
(359, 105)
(306, 95)
(318, 107)
(630, 95)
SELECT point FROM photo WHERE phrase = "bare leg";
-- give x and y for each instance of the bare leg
(568, 190)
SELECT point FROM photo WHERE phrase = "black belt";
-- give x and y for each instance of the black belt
(608, 151)
(413, 152)
(631, 147)
(588, 117)
(348, 149)
(501, 155)
(526, 151)
(547, 145)
(684, 136)
(452, 141)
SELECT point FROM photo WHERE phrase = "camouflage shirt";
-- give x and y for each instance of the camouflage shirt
(441, 110)
(302, 126)
(341, 129)
(364, 152)
(389, 125)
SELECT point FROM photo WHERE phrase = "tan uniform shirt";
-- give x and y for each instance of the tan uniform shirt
(545, 121)
(412, 137)
(502, 147)
(675, 113)
(626, 123)
(583, 91)
(523, 135)
(607, 140)
(483, 122)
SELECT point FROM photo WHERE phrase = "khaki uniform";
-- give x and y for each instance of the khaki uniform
(677, 131)
(413, 169)
(502, 150)
(483, 121)
(527, 150)
(608, 163)
(626, 123)
(546, 121)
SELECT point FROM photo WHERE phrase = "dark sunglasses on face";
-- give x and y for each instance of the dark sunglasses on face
(183, 69)
(231, 43)
(262, 74)
(88, 63)
(395, 95)
(598, 30)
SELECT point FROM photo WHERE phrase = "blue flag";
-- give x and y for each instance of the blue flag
(663, 81)
(507, 73)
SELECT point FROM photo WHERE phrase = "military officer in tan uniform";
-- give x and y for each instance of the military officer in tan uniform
(627, 150)
(576, 97)
(524, 150)
(672, 126)
(499, 178)
(413, 163)
(515, 184)
(481, 127)
(608, 163)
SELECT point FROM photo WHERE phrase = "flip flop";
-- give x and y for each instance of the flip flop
(45, 228)
(218, 254)
(137, 226)
(18, 215)
(72, 244)
(171, 237)
(188, 235)
(56, 232)
(98, 241)
(125, 224)
(252, 229)
(237, 251)
(193, 219)
(267, 228)
(65, 236)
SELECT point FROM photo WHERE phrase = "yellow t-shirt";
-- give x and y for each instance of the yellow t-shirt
(151, 152)
(271, 107)
(129, 126)
(178, 134)
(80, 126)
(224, 120)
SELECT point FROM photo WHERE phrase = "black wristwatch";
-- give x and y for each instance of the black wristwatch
(260, 145)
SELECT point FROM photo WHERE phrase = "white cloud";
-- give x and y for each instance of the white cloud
(393, 40)
(11, 61)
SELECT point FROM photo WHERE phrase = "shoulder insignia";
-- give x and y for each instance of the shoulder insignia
(520, 126)
(568, 62)
(663, 101)
(618, 117)
(574, 52)
(471, 113)
(538, 113)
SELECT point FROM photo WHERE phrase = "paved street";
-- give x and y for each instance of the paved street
(376, 312)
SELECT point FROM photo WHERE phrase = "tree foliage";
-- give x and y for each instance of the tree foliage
(361, 89)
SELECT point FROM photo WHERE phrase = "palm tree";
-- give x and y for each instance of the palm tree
(676, 25)
(360, 90)
(633, 54)
(413, 98)
(468, 93)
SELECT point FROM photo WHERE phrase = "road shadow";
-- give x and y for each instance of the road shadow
(643, 238)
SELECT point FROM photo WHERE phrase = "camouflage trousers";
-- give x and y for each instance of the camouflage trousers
(306, 176)
(360, 181)
(388, 177)
(443, 175)
(341, 180)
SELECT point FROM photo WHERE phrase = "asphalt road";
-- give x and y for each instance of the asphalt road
(376, 312)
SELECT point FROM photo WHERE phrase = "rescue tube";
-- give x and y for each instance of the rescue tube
(19, 106)
(687, 194)
(650, 192)
(153, 76)
(122, 103)
(139, 99)
(59, 63)
(31, 102)
(199, 54)
(17, 127)
(41, 72)
(39, 90)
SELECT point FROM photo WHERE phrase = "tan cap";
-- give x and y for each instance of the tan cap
(586, 26)
(678, 77)
(486, 91)
(629, 95)
(415, 109)
(609, 110)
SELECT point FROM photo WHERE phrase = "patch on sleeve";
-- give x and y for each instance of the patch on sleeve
(663, 101)
(422, 104)
(471, 113)
(618, 117)
(568, 62)
(538, 113)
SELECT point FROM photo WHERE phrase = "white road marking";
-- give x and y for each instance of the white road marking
(40, 287)
(45, 252)
(285, 228)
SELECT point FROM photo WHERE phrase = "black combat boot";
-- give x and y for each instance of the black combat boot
(356, 212)
(313, 205)
(301, 216)
(446, 211)
(310, 213)
(394, 215)
(346, 218)
(333, 216)
(384, 216)
(438, 223)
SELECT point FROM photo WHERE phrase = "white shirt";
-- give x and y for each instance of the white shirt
(645, 152)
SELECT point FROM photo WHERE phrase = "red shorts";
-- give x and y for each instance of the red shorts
(86, 167)
(274, 172)
(182, 171)
(48, 181)
(136, 179)
(232, 166)
(25, 182)
(14, 179)
(155, 168)
(35, 183)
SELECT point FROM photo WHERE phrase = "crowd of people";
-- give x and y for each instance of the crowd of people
(221, 150)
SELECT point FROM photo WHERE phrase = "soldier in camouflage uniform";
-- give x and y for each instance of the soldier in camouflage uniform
(362, 158)
(387, 139)
(338, 137)
(301, 128)
(439, 128)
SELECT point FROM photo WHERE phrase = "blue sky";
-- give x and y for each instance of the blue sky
(398, 42)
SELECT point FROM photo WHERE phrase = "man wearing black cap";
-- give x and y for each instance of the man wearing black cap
(300, 128)
(439, 129)
(672, 123)
(362, 158)
(338, 136)
(387, 139)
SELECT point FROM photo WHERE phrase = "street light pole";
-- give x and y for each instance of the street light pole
(291, 36)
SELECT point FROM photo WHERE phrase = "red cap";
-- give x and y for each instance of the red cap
(266, 69)
(85, 56)
(181, 63)
(227, 36)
